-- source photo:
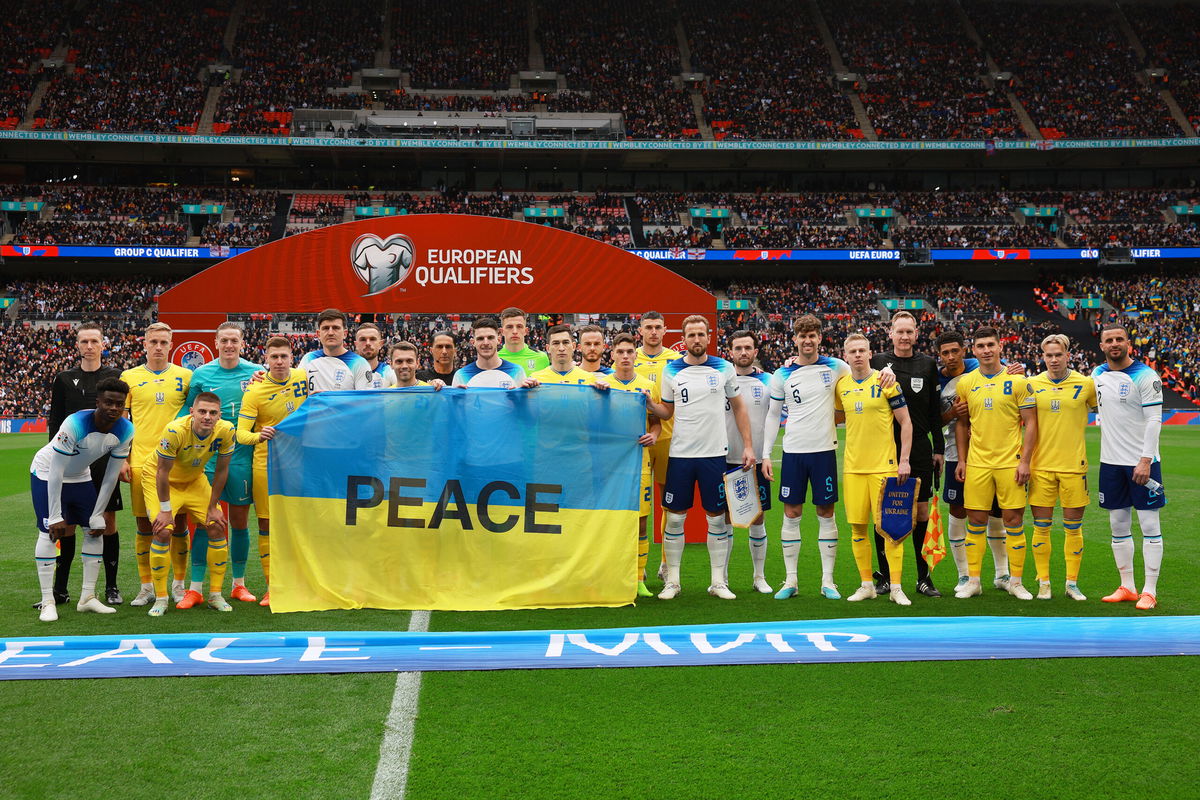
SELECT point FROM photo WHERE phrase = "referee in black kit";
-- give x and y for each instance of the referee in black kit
(917, 377)
(75, 390)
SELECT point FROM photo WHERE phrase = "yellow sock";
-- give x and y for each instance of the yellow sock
(218, 560)
(142, 553)
(160, 562)
(976, 544)
(179, 555)
(1073, 548)
(1041, 547)
(643, 554)
(1014, 544)
(895, 558)
(264, 554)
(862, 547)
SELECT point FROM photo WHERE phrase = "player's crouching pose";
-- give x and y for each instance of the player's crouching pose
(64, 496)
(174, 474)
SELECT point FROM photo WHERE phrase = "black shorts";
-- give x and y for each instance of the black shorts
(924, 470)
(98, 468)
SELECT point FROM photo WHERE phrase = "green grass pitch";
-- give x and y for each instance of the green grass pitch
(1061, 728)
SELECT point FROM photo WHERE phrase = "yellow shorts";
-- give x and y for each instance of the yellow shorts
(262, 508)
(1048, 488)
(186, 498)
(984, 485)
(860, 496)
(136, 501)
(658, 459)
(646, 498)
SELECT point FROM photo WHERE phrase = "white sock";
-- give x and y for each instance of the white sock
(827, 542)
(93, 554)
(673, 543)
(998, 545)
(1152, 547)
(176, 585)
(240, 582)
(957, 534)
(45, 555)
(718, 547)
(789, 537)
(758, 548)
(196, 586)
(1120, 522)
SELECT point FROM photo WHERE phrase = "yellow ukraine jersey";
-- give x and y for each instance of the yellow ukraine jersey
(573, 377)
(267, 403)
(179, 442)
(994, 403)
(1062, 412)
(415, 385)
(870, 448)
(154, 399)
(650, 368)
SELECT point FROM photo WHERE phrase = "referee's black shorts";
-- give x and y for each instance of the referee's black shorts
(98, 468)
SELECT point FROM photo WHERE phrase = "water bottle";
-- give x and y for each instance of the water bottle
(1154, 487)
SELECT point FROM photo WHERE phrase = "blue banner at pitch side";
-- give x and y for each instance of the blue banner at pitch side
(801, 642)
(116, 251)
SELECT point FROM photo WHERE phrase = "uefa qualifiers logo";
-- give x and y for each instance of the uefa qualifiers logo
(382, 263)
(192, 355)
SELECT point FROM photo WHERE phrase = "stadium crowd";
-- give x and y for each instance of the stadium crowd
(1076, 76)
(137, 70)
(768, 74)
(324, 42)
(1163, 313)
(619, 57)
(468, 45)
(970, 236)
(924, 76)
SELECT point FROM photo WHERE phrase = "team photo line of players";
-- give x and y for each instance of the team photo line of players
(188, 441)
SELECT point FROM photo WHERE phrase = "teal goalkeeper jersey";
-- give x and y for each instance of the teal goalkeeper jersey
(229, 385)
(528, 359)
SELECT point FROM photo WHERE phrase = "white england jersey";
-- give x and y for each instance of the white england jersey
(757, 399)
(82, 444)
(328, 373)
(505, 376)
(1127, 398)
(382, 377)
(807, 394)
(699, 392)
(949, 388)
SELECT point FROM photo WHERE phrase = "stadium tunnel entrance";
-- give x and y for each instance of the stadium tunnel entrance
(433, 264)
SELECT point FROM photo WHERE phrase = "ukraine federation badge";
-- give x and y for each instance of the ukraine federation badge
(897, 511)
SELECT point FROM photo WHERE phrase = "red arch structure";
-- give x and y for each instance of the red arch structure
(431, 264)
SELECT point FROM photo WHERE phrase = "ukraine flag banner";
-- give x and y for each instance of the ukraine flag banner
(459, 499)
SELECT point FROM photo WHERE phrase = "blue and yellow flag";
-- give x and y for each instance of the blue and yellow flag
(460, 499)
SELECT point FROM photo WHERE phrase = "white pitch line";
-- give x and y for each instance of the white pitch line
(391, 774)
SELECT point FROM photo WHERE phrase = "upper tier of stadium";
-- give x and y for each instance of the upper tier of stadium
(875, 70)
